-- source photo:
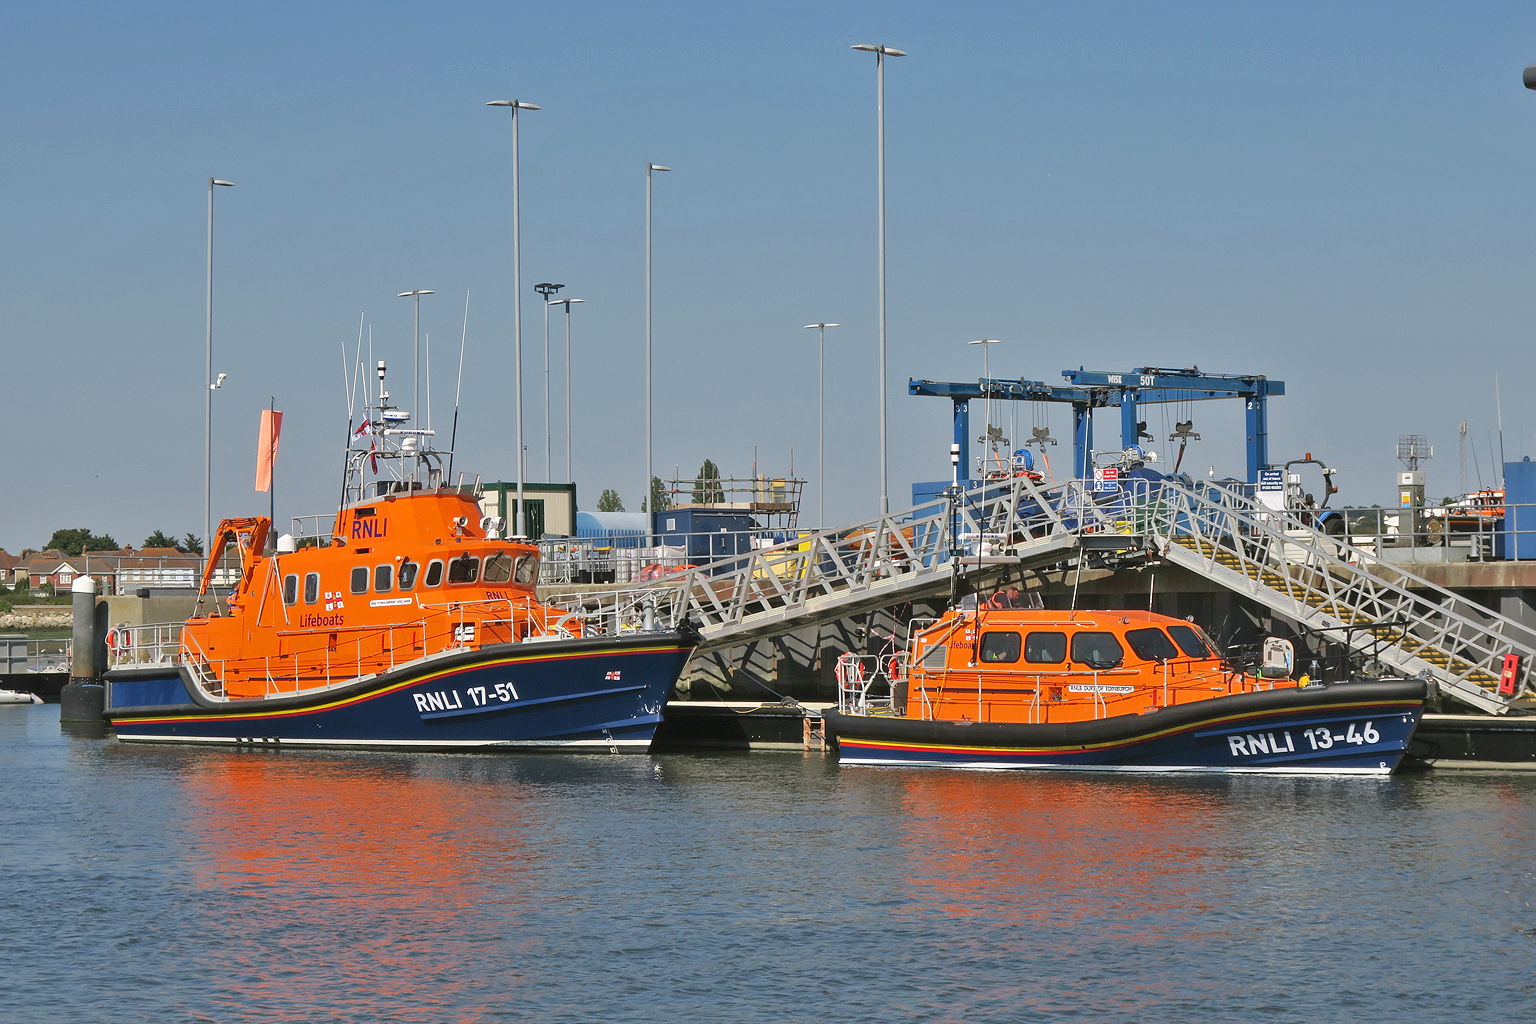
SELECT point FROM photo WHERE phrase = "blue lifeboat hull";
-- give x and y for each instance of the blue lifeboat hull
(1344, 729)
(598, 693)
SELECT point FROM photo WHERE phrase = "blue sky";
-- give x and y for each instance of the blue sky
(1340, 196)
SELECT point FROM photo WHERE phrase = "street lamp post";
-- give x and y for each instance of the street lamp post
(649, 167)
(212, 386)
(517, 305)
(821, 422)
(416, 366)
(546, 290)
(986, 375)
(881, 52)
(567, 304)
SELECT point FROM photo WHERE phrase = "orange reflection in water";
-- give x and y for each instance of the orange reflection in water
(346, 883)
(1062, 850)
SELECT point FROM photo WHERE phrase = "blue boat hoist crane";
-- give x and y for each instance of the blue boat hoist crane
(1087, 390)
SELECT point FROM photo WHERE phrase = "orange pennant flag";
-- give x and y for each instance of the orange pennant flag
(266, 447)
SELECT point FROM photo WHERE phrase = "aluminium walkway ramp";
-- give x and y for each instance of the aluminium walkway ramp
(1344, 593)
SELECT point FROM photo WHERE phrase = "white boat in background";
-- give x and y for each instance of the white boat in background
(18, 697)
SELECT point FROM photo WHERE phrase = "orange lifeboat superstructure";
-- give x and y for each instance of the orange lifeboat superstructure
(406, 576)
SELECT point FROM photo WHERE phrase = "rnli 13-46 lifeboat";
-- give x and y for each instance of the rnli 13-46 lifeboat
(1114, 691)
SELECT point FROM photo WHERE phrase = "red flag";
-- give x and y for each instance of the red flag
(266, 447)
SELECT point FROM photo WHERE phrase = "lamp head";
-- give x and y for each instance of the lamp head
(217, 181)
(218, 383)
(809, 326)
(881, 49)
(656, 167)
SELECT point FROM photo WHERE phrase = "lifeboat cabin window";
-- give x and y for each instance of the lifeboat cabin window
(383, 578)
(1151, 644)
(528, 569)
(498, 569)
(290, 589)
(434, 573)
(1191, 642)
(407, 578)
(1045, 648)
(465, 569)
(360, 579)
(311, 587)
(1097, 650)
(999, 647)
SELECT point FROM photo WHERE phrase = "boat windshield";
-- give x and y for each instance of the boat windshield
(464, 569)
(528, 569)
(498, 568)
(1191, 641)
(1151, 644)
(1097, 650)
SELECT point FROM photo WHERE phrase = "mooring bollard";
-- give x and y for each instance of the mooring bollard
(83, 698)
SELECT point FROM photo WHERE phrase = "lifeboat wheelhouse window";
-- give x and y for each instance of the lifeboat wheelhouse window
(1097, 650)
(311, 587)
(434, 573)
(464, 569)
(999, 647)
(1191, 642)
(498, 568)
(1045, 648)
(528, 569)
(407, 575)
(290, 589)
(383, 578)
(360, 579)
(1151, 644)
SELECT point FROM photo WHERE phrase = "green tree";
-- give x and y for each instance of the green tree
(660, 500)
(609, 501)
(159, 539)
(192, 544)
(706, 486)
(77, 542)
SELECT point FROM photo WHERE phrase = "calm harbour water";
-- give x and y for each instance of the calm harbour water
(168, 884)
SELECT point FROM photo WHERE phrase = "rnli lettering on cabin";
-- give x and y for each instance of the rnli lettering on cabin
(371, 528)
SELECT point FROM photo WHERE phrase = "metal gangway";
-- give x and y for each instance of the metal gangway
(827, 575)
(1346, 595)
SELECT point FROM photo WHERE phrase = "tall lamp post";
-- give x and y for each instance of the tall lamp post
(416, 366)
(881, 52)
(986, 375)
(212, 386)
(546, 290)
(821, 422)
(649, 167)
(517, 305)
(567, 304)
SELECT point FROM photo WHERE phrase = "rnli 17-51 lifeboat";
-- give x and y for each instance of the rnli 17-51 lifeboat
(413, 626)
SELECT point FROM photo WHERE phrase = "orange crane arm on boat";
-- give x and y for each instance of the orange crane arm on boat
(250, 536)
